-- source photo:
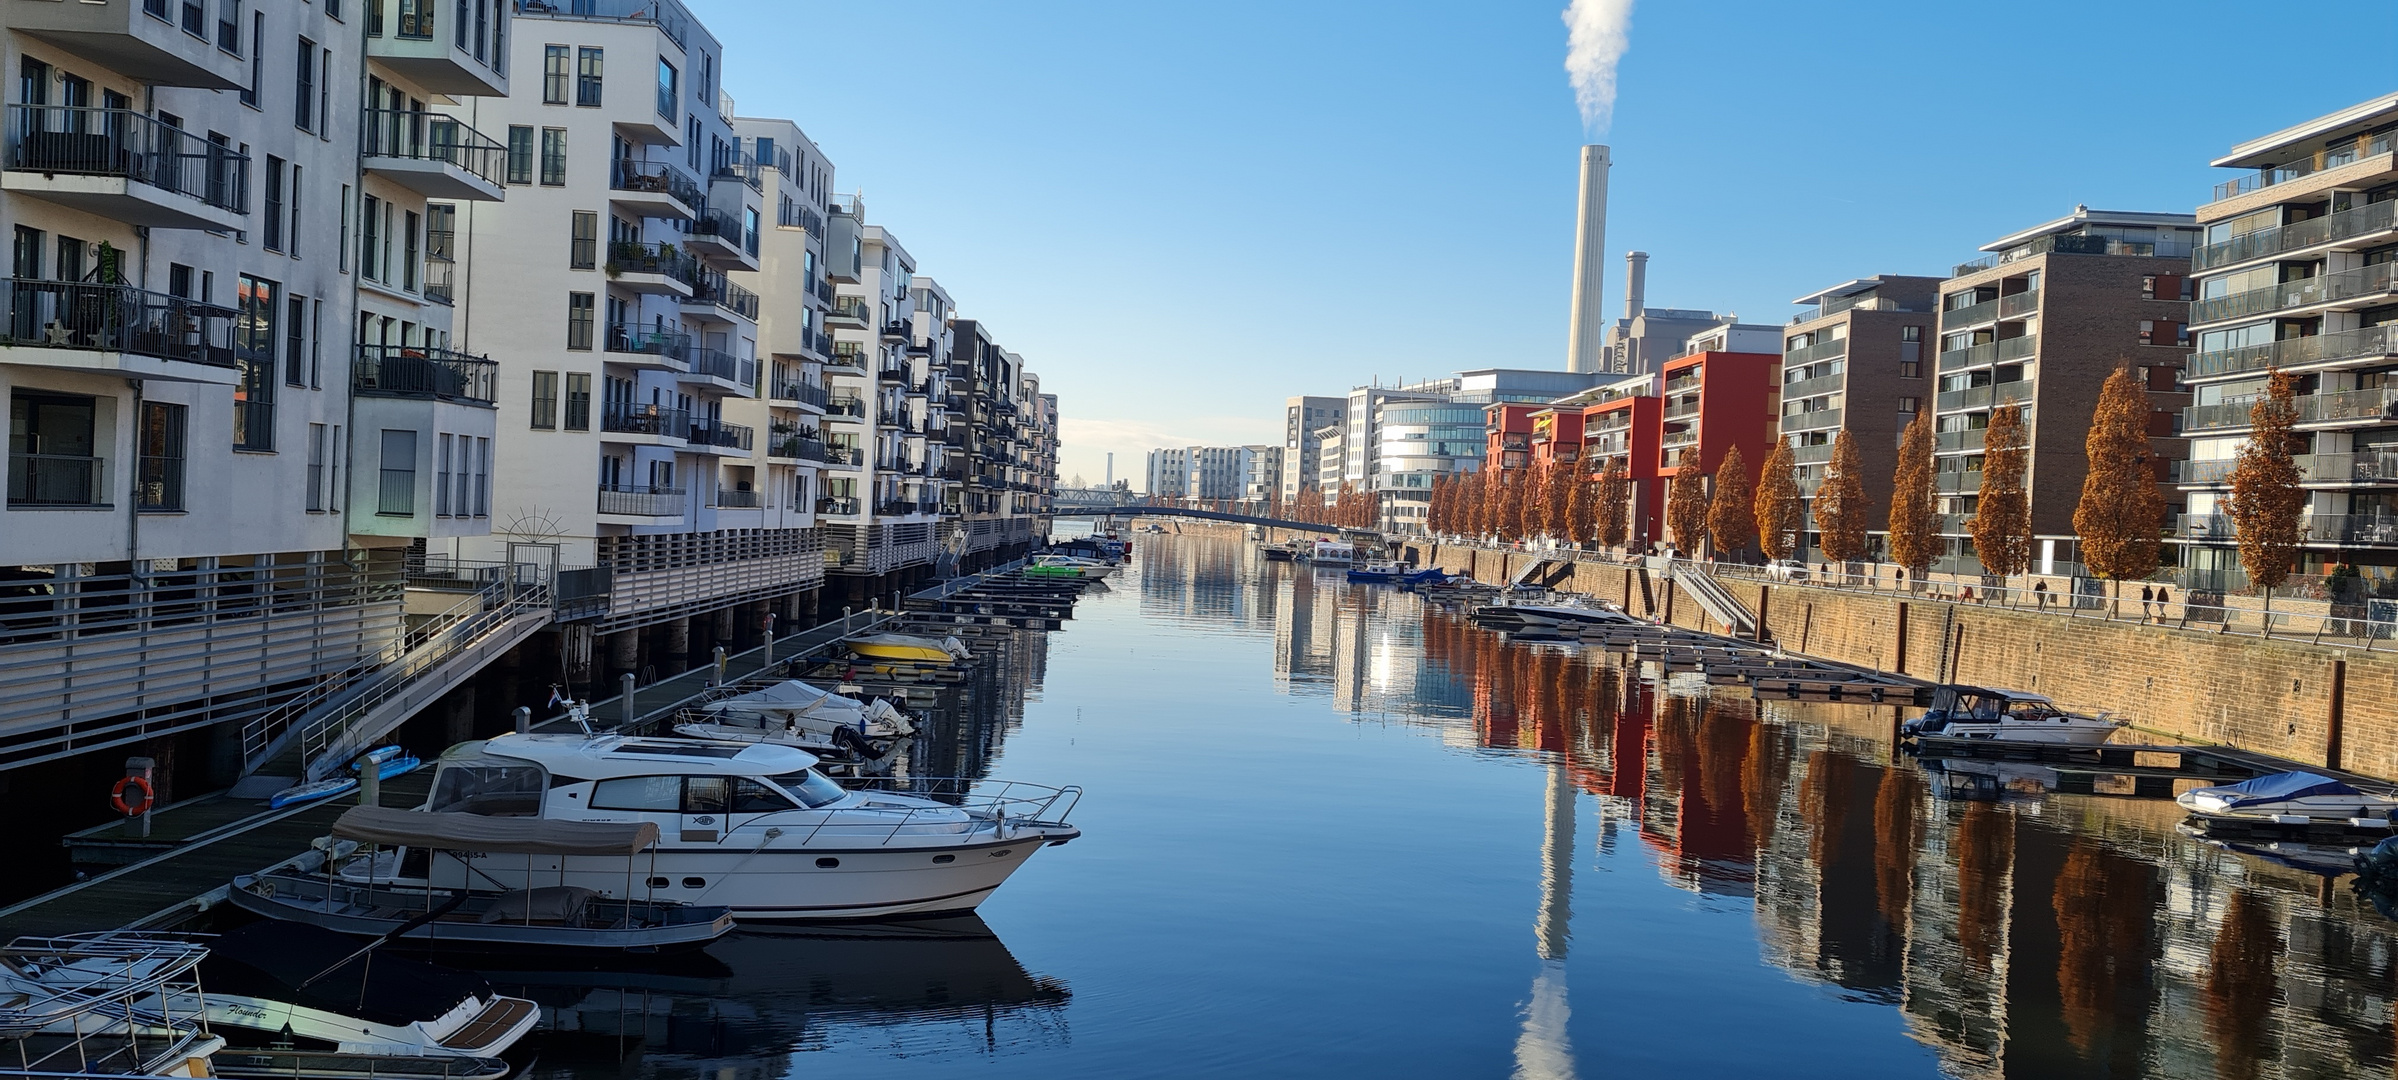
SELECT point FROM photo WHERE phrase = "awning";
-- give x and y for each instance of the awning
(509, 835)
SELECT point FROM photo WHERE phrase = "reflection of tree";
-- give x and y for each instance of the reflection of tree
(1823, 799)
(2240, 986)
(2103, 908)
(1763, 773)
(1985, 851)
(1897, 830)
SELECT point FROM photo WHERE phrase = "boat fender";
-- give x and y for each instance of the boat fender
(116, 796)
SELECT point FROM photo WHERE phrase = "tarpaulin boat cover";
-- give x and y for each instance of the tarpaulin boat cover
(2280, 787)
(508, 835)
(792, 696)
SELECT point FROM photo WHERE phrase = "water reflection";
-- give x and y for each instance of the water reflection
(2018, 932)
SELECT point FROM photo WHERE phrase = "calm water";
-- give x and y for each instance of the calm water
(1333, 831)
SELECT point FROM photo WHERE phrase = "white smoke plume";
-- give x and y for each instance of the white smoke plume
(1597, 33)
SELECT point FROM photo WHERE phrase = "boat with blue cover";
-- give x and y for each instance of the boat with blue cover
(2291, 798)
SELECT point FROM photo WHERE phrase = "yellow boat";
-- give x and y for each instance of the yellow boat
(908, 648)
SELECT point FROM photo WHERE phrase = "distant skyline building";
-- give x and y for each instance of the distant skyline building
(1304, 416)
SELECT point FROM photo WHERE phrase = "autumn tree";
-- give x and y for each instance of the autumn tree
(1521, 519)
(1579, 527)
(2120, 518)
(1559, 487)
(1914, 505)
(2002, 519)
(1840, 505)
(2267, 506)
(1686, 509)
(1614, 512)
(1732, 514)
(1778, 507)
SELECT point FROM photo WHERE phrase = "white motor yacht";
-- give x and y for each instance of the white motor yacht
(2291, 798)
(1548, 613)
(1092, 569)
(755, 827)
(1974, 712)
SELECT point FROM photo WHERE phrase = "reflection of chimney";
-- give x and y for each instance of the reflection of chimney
(1586, 335)
(1636, 283)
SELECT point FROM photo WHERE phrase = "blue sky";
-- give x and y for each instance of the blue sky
(1183, 213)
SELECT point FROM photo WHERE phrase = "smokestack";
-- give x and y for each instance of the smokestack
(1586, 335)
(1636, 283)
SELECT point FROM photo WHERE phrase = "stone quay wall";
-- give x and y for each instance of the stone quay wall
(2318, 704)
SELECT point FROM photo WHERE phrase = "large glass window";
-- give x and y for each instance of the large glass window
(666, 89)
(158, 483)
(588, 64)
(578, 401)
(254, 338)
(520, 154)
(582, 251)
(553, 156)
(579, 314)
(53, 451)
(651, 794)
(397, 493)
(545, 400)
(553, 74)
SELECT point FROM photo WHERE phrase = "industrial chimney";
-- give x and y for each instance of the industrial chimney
(1636, 283)
(1586, 336)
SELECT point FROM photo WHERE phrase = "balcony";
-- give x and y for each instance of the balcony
(2372, 221)
(412, 371)
(58, 481)
(786, 391)
(717, 435)
(2373, 344)
(2377, 406)
(1818, 420)
(1983, 397)
(1685, 437)
(2361, 287)
(1685, 407)
(655, 424)
(1958, 483)
(432, 155)
(734, 499)
(1811, 455)
(2365, 146)
(441, 275)
(736, 167)
(842, 455)
(718, 237)
(893, 370)
(2076, 244)
(652, 268)
(2363, 467)
(1821, 350)
(849, 312)
(840, 507)
(653, 189)
(640, 500)
(445, 60)
(791, 442)
(1954, 319)
(137, 39)
(721, 369)
(1953, 441)
(116, 329)
(123, 165)
(1821, 384)
(646, 347)
(2374, 530)
(715, 297)
(2014, 348)
(846, 408)
(2018, 305)
(799, 216)
(895, 331)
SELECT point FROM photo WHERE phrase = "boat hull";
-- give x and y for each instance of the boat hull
(912, 654)
(2076, 733)
(297, 901)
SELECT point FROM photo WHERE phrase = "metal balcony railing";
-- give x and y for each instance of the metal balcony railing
(846, 406)
(736, 165)
(417, 135)
(663, 259)
(706, 432)
(115, 318)
(2365, 283)
(844, 506)
(714, 288)
(2371, 343)
(2013, 348)
(2339, 406)
(421, 371)
(2329, 158)
(83, 141)
(2348, 224)
(658, 177)
(38, 480)
(631, 418)
(734, 499)
(798, 216)
(718, 364)
(640, 500)
(647, 341)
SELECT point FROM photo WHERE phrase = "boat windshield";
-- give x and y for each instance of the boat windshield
(813, 789)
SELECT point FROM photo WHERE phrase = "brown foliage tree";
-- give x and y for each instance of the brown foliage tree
(1732, 515)
(1614, 512)
(1579, 526)
(2267, 506)
(2120, 518)
(1779, 509)
(2002, 519)
(1840, 504)
(1559, 487)
(1686, 510)
(1914, 506)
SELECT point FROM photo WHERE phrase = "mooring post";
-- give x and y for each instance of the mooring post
(720, 659)
(769, 655)
(524, 719)
(625, 703)
(370, 781)
(144, 770)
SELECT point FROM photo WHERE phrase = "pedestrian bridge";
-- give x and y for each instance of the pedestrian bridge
(1203, 515)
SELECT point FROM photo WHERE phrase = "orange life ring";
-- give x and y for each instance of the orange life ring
(116, 796)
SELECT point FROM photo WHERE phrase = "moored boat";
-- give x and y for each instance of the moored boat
(1546, 613)
(2291, 798)
(909, 649)
(1378, 572)
(1093, 569)
(1975, 712)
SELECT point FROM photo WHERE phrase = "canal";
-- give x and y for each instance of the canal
(1331, 830)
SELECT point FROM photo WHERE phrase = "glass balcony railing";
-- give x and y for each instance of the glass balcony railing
(2014, 348)
(2348, 224)
(2371, 343)
(2363, 147)
(2334, 407)
(1818, 420)
(1821, 350)
(80, 141)
(2361, 467)
(1983, 397)
(2365, 284)
(115, 318)
(2078, 244)
(643, 340)
(1821, 384)
(1970, 314)
(1969, 439)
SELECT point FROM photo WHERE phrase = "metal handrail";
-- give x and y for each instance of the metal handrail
(317, 737)
(83, 141)
(262, 730)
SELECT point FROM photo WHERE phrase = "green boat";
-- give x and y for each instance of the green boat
(1053, 571)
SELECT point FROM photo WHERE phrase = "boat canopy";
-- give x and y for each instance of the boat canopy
(2280, 787)
(792, 696)
(505, 835)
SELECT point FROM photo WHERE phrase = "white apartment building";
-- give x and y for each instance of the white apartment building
(1263, 481)
(1217, 472)
(611, 288)
(235, 399)
(1303, 416)
(1170, 472)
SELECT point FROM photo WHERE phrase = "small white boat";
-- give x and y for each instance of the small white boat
(1976, 712)
(1548, 613)
(793, 705)
(1092, 569)
(2291, 798)
(111, 1025)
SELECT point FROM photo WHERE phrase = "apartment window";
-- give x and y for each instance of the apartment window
(324, 93)
(295, 342)
(545, 400)
(54, 451)
(317, 460)
(397, 493)
(579, 311)
(291, 201)
(553, 74)
(416, 18)
(272, 220)
(370, 231)
(158, 478)
(409, 265)
(749, 230)
(582, 251)
(1910, 404)
(444, 448)
(666, 89)
(520, 154)
(482, 477)
(228, 26)
(344, 247)
(578, 401)
(588, 62)
(303, 97)
(255, 309)
(553, 156)
(316, 346)
(249, 94)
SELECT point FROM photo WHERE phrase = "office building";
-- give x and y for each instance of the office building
(1303, 417)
